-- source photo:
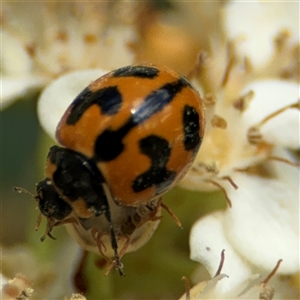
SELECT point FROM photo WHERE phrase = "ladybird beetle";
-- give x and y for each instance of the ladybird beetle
(131, 135)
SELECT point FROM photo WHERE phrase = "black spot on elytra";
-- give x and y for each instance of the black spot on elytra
(137, 71)
(191, 128)
(109, 144)
(157, 100)
(158, 150)
(109, 99)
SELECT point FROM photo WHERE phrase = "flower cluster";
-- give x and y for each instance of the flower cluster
(250, 152)
(244, 60)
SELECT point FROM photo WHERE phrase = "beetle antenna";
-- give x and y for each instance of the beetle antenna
(22, 190)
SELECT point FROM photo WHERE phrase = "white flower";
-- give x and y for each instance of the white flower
(16, 288)
(41, 41)
(250, 132)
(249, 153)
(251, 94)
(245, 276)
(256, 25)
(22, 270)
(77, 297)
(260, 228)
(252, 152)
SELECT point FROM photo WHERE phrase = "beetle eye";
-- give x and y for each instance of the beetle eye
(50, 203)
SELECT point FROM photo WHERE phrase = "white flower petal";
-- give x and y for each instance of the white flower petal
(287, 174)
(56, 98)
(52, 39)
(204, 289)
(263, 223)
(13, 88)
(283, 129)
(269, 97)
(3, 281)
(256, 24)
(211, 287)
(14, 59)
(115, 52)
(207, 240)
